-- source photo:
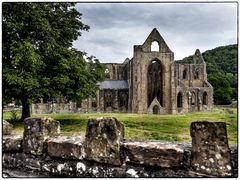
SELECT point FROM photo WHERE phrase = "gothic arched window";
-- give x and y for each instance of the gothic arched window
(179, 100)
(196, 74)
(155, 46)
(193, 98)
(107, 74)
(185, 74)
(205, 98)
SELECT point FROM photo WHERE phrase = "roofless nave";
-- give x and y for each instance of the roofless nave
(150, 82)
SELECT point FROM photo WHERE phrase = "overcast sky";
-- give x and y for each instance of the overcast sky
(116, 27)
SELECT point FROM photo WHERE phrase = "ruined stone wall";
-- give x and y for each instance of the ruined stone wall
(103, 152)
(50, 107)
(114, 71)
(191, 81)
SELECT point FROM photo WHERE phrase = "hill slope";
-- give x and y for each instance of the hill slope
(222, 67)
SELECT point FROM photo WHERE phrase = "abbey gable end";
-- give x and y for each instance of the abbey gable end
(152, 82)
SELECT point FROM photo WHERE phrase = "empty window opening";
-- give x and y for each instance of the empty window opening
(108, 99)
(185, 74)
(123, 98)
(107, 74)
(155, 46)
(193, 99)
(196, 74)
(94, 103)
(179, 100)
(205, 98)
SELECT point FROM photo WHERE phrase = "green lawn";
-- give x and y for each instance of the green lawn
(159, 127)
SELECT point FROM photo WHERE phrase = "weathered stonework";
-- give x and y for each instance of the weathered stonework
(66, 147)
(12, 143)
(210, 150)
(149, 82)
(36, 131)
(103, 140)
(154, 154)
(108, 155)
(7, 128)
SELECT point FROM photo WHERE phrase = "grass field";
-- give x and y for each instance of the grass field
(143, 126)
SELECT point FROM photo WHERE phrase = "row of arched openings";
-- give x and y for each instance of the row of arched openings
(122, 99)
(196, 74)
(192, 100)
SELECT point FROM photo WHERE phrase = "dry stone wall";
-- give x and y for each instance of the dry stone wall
(104, 152)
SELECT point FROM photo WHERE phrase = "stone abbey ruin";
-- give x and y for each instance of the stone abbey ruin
(150, 82)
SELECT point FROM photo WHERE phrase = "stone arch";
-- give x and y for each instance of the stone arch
(94, 102)
(108, 99)
(193, 98)
(123, 100)
(196, 74)
(154, 106)
(205, 98)
(155, 81)
(185, 74)
(155, 46)
(179, 100)
(107, 73)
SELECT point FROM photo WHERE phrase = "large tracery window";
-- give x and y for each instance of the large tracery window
(155, 82)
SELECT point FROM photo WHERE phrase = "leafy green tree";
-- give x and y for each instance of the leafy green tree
(222, 90)
(38, 58)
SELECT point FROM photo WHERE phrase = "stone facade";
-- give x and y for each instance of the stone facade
(151, 82)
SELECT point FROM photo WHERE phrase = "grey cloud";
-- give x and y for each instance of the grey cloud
(116, 27)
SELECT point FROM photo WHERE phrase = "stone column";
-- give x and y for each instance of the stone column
(103, 140)
(210, 150)
(36, 131)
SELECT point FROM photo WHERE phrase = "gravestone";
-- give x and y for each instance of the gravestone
(103, 140)
(210, 150)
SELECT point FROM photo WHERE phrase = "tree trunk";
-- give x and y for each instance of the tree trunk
(25, 109)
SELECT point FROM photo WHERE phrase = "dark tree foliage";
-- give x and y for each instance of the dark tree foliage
(222, 66)
(38, 58)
